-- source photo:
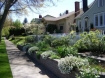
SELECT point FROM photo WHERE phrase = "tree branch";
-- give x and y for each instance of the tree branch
(18, 9)
(2, 5)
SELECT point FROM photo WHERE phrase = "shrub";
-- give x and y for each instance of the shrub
(68, 64)
(26, 47)
(48, 39)
(16, 31)
(43, 46)
(73, 38)
(91, 41)
(54, 57)
(20, 43)
(47, 54)
(38, 54)
(60, 42)
(63, 51)
(33, 49)
(29, 39)
(88, 73)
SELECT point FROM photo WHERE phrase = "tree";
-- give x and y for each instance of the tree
(7, 25)
(18, 6)
(17, 24)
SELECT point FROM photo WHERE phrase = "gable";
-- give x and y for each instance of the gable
(94, 9)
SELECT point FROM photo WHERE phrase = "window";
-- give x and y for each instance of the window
(104, 18)
(100, 3)
(101, 19)
(61, 27)
(80, 24)
(96, 20)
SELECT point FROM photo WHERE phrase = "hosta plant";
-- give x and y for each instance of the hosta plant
(47, 54)
(32, 49)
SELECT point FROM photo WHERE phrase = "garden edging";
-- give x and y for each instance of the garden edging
(52, 65)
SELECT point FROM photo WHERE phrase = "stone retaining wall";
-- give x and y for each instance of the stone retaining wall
(52, 65)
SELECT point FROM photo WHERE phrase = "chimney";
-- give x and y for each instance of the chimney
(85, 5)
(67, 12)
(40, 16)
(77, 8)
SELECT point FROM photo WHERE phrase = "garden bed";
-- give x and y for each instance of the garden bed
(97, 58)
(52, 65)
(66, 51)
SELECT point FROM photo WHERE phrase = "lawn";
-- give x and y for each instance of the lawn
(5, 71)
(17, 39)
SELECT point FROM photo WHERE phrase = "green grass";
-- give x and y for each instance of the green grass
(18, 39)
(5, 71)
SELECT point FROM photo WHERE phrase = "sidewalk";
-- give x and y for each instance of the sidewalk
(22, 67)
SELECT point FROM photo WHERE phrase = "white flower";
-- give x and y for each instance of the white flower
(46, 54)
(67, 64)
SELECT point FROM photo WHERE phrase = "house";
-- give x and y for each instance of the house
(63, 22)
(37, 20)
(92, 16)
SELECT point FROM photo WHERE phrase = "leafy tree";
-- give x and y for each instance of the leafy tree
(17, 24)
(19, 7)
(7, 25)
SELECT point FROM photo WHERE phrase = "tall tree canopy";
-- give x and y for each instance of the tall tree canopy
(17, 24)
(19, 6)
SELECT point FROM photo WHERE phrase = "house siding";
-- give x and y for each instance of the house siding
(62, 22)
(69, 21)
(94, 9)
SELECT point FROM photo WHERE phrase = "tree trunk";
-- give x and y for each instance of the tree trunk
(0, 37)
(2, 20)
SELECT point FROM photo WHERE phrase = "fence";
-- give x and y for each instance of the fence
(102, 33)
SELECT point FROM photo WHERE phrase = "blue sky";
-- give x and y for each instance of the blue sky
(54, 10)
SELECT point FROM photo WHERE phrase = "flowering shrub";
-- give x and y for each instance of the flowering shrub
(88, 72)
(72, 38)
(48, 39)
(91, 41)
(67, 64)
(33, 49)
(47, 54)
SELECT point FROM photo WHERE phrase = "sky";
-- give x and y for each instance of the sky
(60, 7)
